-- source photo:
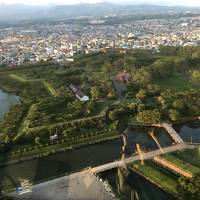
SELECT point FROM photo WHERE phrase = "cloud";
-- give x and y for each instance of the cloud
(46, 2)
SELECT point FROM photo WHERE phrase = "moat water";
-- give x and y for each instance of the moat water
(42, 169)
(6, 101)
(127, 185)
(75, 160)
(189, 132)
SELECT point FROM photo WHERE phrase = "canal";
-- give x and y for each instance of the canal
(128, 185)
(41, 169)
(190, 131)
(58, 164)
(6, 101)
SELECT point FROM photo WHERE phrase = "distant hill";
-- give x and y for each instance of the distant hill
(23, 12)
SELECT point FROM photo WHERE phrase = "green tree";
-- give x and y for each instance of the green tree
(141, 107)
(90, 106)
(141, 77)
(181, 64)
(161, 101)
(113, 115)
(163, 67)
(77, 106)
(196, 77)
(149, 116)
(189, 188)
(153, 89)
(95, 93)
(169, 50)
(37, 140)
(178, 104)
(111, 93)
(174, 114)
(141, 94)
(107, 67)
(196, 55)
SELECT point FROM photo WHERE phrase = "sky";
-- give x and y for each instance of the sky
(46, 2)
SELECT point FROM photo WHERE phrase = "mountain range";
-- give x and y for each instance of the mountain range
(24, 12)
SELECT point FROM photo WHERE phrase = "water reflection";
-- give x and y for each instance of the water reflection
(128, 185)
(6, 101)
(141, 136)
(75, 160)
(189, 132)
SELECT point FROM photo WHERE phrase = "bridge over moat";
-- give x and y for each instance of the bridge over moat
(145, 156)
(174, 135)
(142, 156)
(180, 145)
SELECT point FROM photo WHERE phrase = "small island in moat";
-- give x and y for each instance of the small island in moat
(95, 97)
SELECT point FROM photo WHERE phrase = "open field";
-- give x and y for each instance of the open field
(176, 82)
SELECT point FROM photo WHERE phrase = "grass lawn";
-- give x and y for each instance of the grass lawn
(177, 82)
(23, 78)
(133, 121)
(50, 88)
(191, 156)
(18, 78)
(158, 175)
(182, 164)
(126, 101)
(102, 105)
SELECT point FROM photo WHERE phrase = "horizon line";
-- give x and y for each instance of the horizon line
(100, 2)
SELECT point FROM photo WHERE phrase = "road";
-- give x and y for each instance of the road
(120, 87)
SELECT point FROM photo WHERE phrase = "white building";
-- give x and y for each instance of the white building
(80, 95)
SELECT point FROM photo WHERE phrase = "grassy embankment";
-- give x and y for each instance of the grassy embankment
(48, 86)
(189, 156)
(182, 164)
(68, 143)
(45, 150)
(157, 175)
(188, 160)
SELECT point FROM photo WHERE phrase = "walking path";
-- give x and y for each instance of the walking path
(175, 136)
(48, 86)
(172, 167)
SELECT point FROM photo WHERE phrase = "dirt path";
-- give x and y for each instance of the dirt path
(120, 88)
